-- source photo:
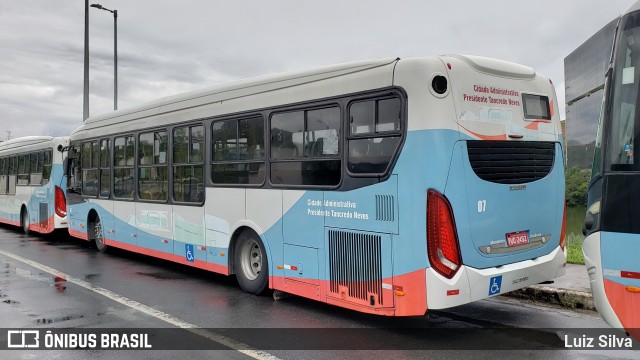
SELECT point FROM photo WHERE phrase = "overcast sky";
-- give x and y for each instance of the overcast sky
(168, 47)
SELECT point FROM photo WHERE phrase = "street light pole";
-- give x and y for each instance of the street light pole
(85, 102)
(115, 52)
(115, 59)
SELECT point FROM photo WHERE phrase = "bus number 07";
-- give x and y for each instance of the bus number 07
(482, 206)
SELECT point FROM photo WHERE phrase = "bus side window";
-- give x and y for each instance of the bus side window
(74, 181)
(11, 173)
(46, 167)
(23, 169)
(90, 153)
(188, 164)
(375, 135)
(238, 151)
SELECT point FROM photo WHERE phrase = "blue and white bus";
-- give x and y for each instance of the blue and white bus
(32, 183)
(612, 227)
(386, 186)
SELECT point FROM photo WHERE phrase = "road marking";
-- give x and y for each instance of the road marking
(223, 340)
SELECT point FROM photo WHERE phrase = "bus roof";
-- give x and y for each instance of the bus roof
(633, 7)
(24, 141)
(233, 90)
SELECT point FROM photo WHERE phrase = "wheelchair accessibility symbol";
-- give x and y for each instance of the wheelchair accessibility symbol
(494, 285)
(189, 253)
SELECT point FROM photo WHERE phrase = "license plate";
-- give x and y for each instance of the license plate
(517, 238)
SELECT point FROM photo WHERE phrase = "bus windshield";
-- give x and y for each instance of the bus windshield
(625, 120)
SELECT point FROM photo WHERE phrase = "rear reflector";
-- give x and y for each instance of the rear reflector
(630, 274)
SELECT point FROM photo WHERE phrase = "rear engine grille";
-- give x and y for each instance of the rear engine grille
(511, 162)
(355, 263)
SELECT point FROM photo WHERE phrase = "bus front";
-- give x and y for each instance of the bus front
(612, 229)
(491, 176)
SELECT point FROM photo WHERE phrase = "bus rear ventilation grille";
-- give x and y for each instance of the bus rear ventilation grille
(355, 263)
(511, 162)
(385, 209)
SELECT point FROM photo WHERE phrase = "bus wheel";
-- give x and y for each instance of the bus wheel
(250, 263)
(97, 233)
(25, 221)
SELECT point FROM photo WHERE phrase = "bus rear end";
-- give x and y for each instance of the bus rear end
(494, 212)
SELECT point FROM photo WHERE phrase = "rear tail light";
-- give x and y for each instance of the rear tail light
(61, 203)
(442, 239)
(563, 235)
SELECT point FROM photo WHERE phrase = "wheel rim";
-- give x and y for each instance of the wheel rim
(251, 259)
(98, 234)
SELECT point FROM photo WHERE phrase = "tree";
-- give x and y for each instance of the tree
(576, 181)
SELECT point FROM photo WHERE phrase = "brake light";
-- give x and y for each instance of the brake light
(563, 235)
(442, 239)
(61, 203)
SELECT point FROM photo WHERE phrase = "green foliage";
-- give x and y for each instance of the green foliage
(574, 249)
(576, 181)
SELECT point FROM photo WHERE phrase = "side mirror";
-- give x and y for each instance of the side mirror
(588, 224)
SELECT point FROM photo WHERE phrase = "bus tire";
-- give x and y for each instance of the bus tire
(98, 236)
(24, 220)
(250, 263)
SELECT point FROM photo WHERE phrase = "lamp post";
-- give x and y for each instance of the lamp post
(85, 99)
(115, 52)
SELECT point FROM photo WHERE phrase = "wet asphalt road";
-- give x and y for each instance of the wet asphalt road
(33, 298)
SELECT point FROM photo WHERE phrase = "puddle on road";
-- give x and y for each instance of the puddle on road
(41, 321)
(162, 275)
(60, 284)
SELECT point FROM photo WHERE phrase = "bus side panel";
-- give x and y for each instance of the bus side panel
(188, 229)
(124, 222)
(621, 270)
(264, 213)
(39, 209)
(78, 214)
(223, 209)
(422, 165)
(10, 206)
(154, 227)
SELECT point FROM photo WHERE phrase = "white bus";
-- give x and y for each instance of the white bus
(32, 183)
(386, 186)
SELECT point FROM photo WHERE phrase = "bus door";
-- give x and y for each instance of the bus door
(189, 232)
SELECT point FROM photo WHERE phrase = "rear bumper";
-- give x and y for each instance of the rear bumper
(471, 284)
(60, 222)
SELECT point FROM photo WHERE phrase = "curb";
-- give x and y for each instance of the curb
(571, 299)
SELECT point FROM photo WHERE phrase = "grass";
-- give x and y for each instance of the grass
(574, 249)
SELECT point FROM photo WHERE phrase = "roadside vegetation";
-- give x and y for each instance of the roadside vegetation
(576, 184)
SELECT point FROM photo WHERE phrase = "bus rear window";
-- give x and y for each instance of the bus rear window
(536, 107)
